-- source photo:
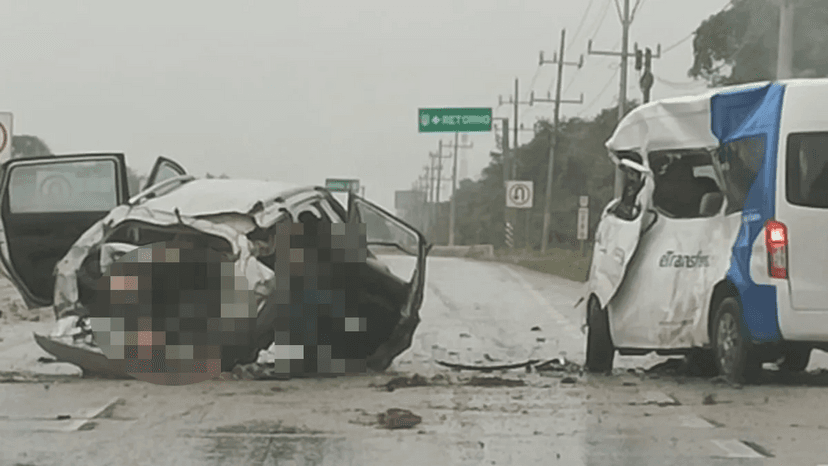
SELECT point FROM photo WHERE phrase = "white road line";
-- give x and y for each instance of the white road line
(737, 449)
(694, 421)
(89, 415)
(659, 398)
(570, 329)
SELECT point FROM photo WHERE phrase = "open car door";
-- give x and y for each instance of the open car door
(618, 234)
(163, 170)
(47, 204)
(384, 230)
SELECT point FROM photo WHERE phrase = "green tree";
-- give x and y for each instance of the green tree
(739, 45)
(29, 146)
(581, 168)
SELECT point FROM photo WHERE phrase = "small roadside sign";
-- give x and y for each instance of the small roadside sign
(519, 194)
(342, 185)
(455, 120)
(5, 136)
(583, 223)
(584, 201)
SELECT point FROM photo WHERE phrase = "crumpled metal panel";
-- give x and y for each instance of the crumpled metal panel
(260, 278)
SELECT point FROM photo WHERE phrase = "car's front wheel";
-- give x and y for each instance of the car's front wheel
(600, 351)
(735, 355)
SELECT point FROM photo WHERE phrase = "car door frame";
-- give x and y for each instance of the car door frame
(401, 337)
(122, 196)
(159, 163)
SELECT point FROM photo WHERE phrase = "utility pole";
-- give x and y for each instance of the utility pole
(784, 60)
(453, 208)
(440, 158)
(547, 212)
(516, 102)
(437, 159)
(626, 21)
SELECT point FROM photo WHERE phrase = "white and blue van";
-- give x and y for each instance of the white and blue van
(717, 245)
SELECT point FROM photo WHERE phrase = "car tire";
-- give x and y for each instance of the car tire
(795, 358)
(735, 355)
(600, 351)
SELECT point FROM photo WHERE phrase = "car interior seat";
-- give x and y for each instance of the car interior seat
(710, 204)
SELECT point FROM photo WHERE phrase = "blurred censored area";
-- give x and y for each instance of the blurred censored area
(176, 312)
(312, 321)
(170, 311)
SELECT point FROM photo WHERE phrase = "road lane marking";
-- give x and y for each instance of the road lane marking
(737, 449)
(659, 398)
(90, 415)
(571, 330)
(695, 422)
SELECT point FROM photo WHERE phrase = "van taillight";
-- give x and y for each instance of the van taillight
(776, 243)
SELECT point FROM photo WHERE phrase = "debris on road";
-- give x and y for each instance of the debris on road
(536, 328)
(658, 399)
(494, 382)
(559, 365)
(415, 380)
(486, 368)
(671, 365)
(709, 399)
(568, 380)
(45, 360)
(396, 418)
(257, 371)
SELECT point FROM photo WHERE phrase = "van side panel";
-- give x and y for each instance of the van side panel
(734, 116)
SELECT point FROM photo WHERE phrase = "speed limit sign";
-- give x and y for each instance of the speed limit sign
(519, 194)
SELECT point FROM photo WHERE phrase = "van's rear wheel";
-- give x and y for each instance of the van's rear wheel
(600, 351)
(735, 356)
(795, 358)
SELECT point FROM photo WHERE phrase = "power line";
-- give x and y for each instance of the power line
(729, 3)
(678, 85)
(601, 21)
(597, 97)
(580, 25)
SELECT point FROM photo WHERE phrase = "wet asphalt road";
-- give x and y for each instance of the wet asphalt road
(474, 313)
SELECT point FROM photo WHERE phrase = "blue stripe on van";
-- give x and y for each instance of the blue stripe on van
(737, 115)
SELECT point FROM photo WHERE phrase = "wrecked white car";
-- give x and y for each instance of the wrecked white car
(67, 222)
(716, 246)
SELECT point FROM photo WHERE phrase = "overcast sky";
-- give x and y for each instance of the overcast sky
(301, 91)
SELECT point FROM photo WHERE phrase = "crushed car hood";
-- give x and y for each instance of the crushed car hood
(203, 197)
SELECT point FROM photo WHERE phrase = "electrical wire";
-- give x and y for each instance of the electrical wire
(728, 4)
(606, 86)
(601, 21)
(580, 25)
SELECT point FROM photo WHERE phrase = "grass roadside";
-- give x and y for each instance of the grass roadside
(564, 263)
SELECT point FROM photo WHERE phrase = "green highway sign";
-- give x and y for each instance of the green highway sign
(334, 184)
(455, 120)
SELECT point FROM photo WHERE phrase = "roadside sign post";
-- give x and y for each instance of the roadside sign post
(454, 120)
(583, 222)
(519, 195)
(5, 136)
(342, 185)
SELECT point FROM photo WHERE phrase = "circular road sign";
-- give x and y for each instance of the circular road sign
(520, 194)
